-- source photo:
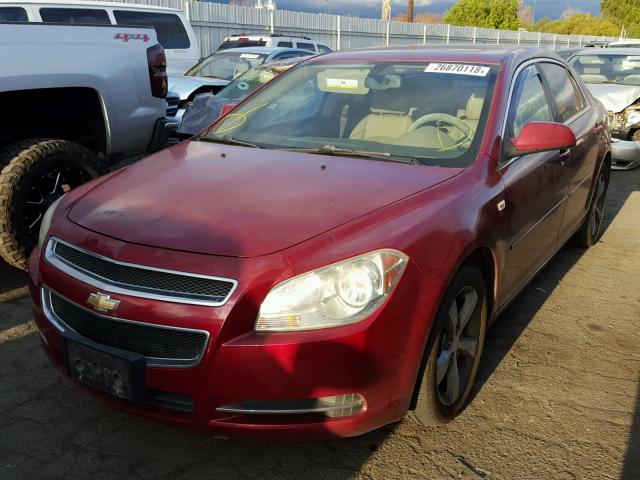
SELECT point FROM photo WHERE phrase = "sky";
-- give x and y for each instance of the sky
(371, 8)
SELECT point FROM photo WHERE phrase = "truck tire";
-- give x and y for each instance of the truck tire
(33, 174)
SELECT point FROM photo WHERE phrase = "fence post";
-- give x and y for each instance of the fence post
(424, 34)
(498, 38)
(518, 37)
(271, 26)
(568, 39)
(475, 32)
(448, 32)
(555, 36)
(580, 44)
(388, 24)
(539, 35)
(338, 28)
(186, 9)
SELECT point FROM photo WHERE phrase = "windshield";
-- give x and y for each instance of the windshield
(428, 113)
(226, 65)
(250, 81)
(608, 68)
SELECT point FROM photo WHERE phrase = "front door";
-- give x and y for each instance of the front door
(536, 188)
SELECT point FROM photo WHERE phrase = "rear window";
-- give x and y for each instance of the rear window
(324, 49)
(241, 43)
(13, 14)
(169, 28)
(306, 46)
(75, 15)
(285, 44)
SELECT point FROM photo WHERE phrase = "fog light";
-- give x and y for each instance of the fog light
(333, 406)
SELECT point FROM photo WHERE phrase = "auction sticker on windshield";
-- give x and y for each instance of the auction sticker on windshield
(458, 69)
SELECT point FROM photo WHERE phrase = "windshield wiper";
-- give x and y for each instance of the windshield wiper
(346, 152)
(227, 140)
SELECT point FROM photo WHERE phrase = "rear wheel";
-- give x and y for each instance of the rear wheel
(591, 230)
(453, 361)
(33, 174)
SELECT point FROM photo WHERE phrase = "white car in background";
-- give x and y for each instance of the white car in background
(273, 40)
(613, 77)
(174, 31)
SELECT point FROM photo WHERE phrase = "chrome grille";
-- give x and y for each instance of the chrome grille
(162, 346)
(138, 280)
(172, 106)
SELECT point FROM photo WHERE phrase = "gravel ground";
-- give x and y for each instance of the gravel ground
(558, 396)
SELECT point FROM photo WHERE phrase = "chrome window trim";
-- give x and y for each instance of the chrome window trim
(58, 323)
(520, 68)
(110, 286)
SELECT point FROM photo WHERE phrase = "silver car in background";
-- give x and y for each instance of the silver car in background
(613, 77)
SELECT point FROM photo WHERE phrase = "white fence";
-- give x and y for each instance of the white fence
(213, 22)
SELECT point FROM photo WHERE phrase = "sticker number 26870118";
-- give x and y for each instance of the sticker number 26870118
(458, 69)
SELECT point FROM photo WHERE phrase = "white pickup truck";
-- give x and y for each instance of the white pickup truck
(74, 100)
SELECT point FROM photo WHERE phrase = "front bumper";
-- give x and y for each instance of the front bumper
(625, 154)
(376, 359)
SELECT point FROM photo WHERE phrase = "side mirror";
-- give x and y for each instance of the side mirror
(541, 137)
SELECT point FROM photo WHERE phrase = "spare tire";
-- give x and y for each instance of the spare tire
(33, 174)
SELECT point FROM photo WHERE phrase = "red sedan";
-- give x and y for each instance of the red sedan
(328, 255)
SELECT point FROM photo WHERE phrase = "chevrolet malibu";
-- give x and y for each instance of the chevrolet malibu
(326, 257)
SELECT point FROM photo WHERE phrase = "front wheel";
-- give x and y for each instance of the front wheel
(453, 361)
(33, 174)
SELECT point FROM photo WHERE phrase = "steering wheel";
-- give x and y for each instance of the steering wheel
(456, 122)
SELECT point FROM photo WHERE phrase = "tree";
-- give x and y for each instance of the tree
(625, 13)
(577, 24)
(484, 13)
(422, 17)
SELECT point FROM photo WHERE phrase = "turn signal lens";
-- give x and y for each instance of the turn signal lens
(340, 294)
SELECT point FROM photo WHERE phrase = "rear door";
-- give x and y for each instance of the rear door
(572, 109)
(536, 186)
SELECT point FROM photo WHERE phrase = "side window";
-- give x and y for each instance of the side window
(169, 27)
(566, 96)
(324, 49)
(529, 102)
(285, 44)
(75, 15)
(306, 46)
(13, 14)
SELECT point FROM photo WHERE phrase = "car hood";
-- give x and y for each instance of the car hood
(184, 86)
(242, 202)
(615, 98)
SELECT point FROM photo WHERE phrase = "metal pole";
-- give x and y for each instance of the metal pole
(338, 46)
(580, 41)
(424, 34)
(498, 38)
(539, 35)
(568, 38)
(554, 41)
(448, 32)
(186, 9)
(518, 37)
(475, 32)
(388, 23)
(272, 27)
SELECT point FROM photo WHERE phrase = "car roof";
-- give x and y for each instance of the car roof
(610, 51)
(85, 4)
(478, 54)
(264, 50)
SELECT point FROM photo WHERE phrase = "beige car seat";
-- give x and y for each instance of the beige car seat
(389, 118)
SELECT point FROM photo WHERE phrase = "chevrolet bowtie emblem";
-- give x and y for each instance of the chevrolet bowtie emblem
(102, 302)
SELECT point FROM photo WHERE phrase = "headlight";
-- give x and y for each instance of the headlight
(340, 294)
(46, 222)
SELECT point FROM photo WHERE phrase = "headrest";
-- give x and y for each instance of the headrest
(388, 101)
(474, 107)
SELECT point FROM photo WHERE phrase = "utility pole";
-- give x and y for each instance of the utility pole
(410, 12)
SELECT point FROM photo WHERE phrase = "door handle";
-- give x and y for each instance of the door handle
(563, 156)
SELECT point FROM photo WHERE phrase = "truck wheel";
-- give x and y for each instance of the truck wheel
(459, 328)
(33, 174)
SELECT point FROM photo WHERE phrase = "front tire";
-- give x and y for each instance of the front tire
(453, 361)
(33, 174)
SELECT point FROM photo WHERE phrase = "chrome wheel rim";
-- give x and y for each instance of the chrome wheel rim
(458, 350)
(597, 213)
